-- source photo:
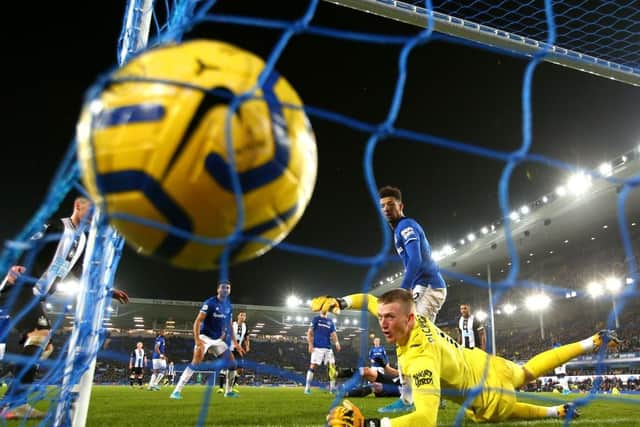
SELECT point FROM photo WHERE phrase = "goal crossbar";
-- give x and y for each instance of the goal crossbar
(484, 34)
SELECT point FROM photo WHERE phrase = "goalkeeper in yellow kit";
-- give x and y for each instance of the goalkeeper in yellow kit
(435, 361)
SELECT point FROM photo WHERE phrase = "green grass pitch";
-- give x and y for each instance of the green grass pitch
(285, 406)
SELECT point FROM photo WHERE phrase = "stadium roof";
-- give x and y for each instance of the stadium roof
(556, 225)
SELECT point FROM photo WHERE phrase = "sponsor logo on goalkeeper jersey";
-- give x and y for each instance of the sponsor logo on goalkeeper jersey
(424, 377)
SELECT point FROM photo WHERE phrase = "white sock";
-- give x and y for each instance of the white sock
(184, 378)
(406, 393)
(152, 380)
(332, 384)
(552, 411)
(158, 378)
(587, 344)
(309, 378)
(228, 384)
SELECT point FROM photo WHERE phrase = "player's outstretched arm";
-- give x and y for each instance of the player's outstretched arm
(335, 305)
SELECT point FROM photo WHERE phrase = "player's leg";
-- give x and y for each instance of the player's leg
(525, 411)
(330, 361)
(550, 359)
(317, 358)
(162, 364)
(310, 371)
(240, 365)
(33, 345)
(222, 379)
(198, 354)
(140, 377)
(154, 375)
(369, 374)
(231, 373)
(386, 385)
(405, 402)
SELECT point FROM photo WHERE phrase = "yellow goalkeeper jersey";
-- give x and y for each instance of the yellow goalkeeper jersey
(434, 361)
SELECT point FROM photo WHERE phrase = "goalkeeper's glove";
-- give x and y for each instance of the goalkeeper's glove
(328, 303)
(348, 415)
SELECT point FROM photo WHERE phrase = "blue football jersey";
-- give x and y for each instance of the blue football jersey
(218, 316)
(378, 353)
(160, 343)
(322, 328)
(420, 268)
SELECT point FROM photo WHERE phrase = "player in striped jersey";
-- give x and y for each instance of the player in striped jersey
(171, 374)
(239, 328)
(137, 363)
(54, 254)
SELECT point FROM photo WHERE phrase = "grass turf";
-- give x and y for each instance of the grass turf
(283, 406)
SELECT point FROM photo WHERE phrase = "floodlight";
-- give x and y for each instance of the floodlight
(578, 183)
(605, 169)
(537, 302)
(293, 301)
(613, 284)
(595, 289)
(509, 308)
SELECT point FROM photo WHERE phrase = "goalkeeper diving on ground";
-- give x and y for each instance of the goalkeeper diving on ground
(437, 365)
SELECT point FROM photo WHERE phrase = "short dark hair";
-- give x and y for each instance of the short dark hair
(224, 282)
(389, 191)
(397, 295)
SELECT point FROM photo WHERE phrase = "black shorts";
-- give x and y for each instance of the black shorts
(239, 359)
(387, 379)
(34, 318)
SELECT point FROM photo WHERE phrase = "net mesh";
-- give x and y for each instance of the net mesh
(607, 30)
(604, 29)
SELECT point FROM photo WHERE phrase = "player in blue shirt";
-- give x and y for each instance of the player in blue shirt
(320, 335)
(210, 328)
(158, 362)
(378, 356)
(421, 273)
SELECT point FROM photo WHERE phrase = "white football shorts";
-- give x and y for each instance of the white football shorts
(217, 346)
(322, 356)
(429, 300)
(159, 364)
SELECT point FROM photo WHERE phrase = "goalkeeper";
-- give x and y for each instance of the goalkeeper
(433, 360)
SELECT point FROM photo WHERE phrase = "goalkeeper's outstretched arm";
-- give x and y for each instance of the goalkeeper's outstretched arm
(353, 301)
